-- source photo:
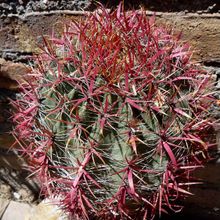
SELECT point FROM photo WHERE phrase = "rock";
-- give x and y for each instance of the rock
(46, 211)
(215, 209)
(10, 73)
(3, 206)
(15, 211)
(11, 210)
(16, 195)
(5, 191)
(37, 18)
(25, 194)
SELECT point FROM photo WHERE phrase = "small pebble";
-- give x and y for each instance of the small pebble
(16, 195)
(216, 209)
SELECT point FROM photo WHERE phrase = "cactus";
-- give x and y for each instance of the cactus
(113, 117)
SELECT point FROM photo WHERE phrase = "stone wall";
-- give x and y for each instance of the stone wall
(23, 22)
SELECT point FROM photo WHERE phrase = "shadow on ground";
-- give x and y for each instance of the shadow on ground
(205, 203)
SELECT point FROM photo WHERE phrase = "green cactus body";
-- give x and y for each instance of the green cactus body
(116, 117)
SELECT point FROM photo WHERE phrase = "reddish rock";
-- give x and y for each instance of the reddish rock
(10, 73)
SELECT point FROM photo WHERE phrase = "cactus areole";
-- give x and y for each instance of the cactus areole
(112, 117)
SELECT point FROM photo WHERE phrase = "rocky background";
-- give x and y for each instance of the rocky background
(24, 22)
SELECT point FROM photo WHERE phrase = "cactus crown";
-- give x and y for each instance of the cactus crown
(113, 117)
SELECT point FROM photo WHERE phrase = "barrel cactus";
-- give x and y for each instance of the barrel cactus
(113, 117)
